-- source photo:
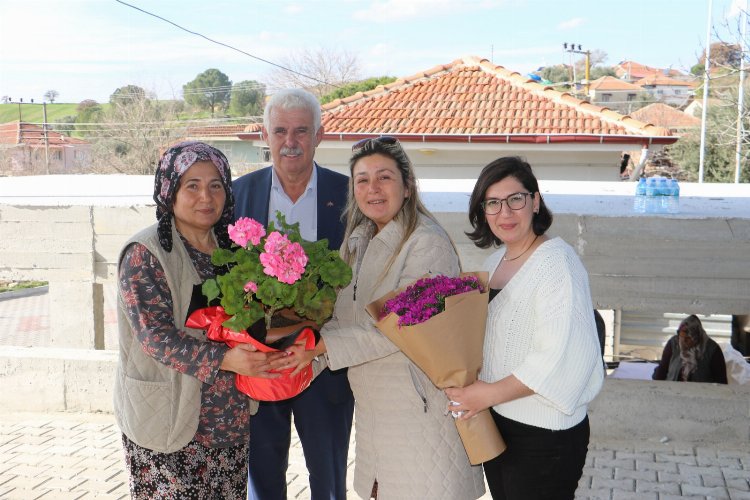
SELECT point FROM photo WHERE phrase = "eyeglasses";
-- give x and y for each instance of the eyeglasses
(362, 144)
(516, 201)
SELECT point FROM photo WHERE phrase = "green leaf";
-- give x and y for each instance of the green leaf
(210, 289)
(320, 308)
(276, 294)
(336, 273)
(222, 257)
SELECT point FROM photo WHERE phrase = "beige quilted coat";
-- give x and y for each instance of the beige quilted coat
(404, 440)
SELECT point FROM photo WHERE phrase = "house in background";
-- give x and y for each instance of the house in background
(631, 71)
(665, 116)
(243, 156)
(26, 148)
(455, 118)
(667, 90)
(695, 108)
(616, 94)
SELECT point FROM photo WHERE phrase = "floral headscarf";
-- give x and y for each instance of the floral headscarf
(173, 164)
(691, 356)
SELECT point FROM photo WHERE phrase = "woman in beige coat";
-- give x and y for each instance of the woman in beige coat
(406, 445)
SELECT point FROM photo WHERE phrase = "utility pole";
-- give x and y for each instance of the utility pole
(45, 135)
(587, 53)
(706, 80)
(741, 96)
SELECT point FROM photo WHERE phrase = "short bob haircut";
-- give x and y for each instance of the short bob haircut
(507, 166)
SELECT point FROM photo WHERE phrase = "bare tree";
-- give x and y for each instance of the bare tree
(51, 95)
(129, 138)
(320, 71)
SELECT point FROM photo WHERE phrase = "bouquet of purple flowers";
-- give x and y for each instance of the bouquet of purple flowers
(438, 322)
(426, 297)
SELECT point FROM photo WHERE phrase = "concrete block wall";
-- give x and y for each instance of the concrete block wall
(638, 410)
(697, 262)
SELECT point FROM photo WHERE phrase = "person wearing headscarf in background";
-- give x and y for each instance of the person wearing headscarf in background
(691, 356)
(184, 424)
(407, 445)
(542, 361)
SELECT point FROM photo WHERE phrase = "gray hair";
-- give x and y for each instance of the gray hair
(293, 99)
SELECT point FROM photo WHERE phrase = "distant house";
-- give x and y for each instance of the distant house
(667, 90)
(695, 108)
(455, 118)
(615, 93)
(29, 148)
(243, 156)
(631, 71)
(668, 117)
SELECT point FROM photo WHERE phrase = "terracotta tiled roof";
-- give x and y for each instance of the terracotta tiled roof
(473, 100)
(17, 133)
(635, 71)
(612, 83)
(666, 116)
(216, 130)
(659, 79)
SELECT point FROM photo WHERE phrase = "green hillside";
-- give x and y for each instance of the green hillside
(33, 112)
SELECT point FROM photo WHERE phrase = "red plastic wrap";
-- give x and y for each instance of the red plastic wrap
(261, 389)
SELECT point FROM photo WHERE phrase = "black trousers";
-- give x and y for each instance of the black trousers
(539, 464)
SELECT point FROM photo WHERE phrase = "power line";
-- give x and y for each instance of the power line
(226, 45)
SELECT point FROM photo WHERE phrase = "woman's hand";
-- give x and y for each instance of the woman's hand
(276, 333)
(471, 399)
(302, 357)
(246, 360)
(481, 395)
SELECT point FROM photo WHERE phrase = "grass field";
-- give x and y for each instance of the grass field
(33, 113)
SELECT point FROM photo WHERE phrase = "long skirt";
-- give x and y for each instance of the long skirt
(195, 472)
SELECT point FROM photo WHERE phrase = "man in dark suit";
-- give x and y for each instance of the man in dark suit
(315, 197)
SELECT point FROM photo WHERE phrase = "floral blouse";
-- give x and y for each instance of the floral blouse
(225, 413)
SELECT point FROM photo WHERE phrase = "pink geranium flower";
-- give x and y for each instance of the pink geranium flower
(251, 286)
(283, 259)
(246, 229)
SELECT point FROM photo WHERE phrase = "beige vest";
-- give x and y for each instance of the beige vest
(155, 406)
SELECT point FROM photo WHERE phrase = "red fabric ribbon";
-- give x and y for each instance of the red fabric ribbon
(261, 389)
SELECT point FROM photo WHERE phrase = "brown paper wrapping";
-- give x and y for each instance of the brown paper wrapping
(448, 349)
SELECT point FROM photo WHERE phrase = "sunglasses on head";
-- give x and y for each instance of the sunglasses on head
(362, 144)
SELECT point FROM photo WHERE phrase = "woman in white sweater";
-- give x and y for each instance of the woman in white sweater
(542, 363)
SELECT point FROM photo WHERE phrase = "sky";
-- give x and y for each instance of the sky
(86, 49)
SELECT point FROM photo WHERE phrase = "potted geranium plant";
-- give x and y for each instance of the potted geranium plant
(268, 272)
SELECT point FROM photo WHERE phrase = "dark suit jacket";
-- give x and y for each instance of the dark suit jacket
(252, 193)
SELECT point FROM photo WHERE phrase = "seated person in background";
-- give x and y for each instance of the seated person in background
(691, 356)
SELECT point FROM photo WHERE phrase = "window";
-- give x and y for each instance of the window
(265, 154)
(606, 97)
(56, 155)
(631, 97)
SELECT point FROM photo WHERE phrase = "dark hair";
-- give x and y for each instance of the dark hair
(507, 166)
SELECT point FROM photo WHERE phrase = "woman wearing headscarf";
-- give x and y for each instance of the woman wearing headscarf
(691, 356)
(184, 423)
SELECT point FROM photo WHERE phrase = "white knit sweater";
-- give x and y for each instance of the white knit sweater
(540, 328)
